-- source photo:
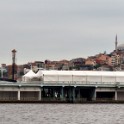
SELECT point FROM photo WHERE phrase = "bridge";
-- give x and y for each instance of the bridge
(64, 86)
(46, 91)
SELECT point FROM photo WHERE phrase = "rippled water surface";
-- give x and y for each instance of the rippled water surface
(61, 113)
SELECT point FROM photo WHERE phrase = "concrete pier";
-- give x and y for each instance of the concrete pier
(62, 93)
(116, 95)
(19, 94)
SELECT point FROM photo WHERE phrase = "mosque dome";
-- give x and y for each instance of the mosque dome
(120, 47)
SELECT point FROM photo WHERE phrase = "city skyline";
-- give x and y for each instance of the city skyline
(57, 30)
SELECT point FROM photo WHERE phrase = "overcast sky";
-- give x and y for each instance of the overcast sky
(59, 29)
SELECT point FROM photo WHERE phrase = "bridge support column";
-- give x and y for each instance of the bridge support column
(116, 95)
(79, 95)
(94, 95)
(18, 94)
(39, 97)
(70, 94)
(62, 93)
(73, 94)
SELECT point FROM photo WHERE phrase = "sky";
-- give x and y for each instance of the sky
(59, 29)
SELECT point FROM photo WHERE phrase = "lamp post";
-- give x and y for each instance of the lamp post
(13, 62)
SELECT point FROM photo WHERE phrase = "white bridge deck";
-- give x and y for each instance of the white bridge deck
(63, 84)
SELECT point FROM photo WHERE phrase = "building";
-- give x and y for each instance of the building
(115, 59)
(91, 62)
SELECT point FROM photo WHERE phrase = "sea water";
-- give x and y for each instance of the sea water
(61, 113)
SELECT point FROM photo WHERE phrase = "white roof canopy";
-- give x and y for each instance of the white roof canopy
(75, 76)
(29, 76)
(81, 76)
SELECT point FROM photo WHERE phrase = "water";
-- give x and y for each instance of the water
(61, 113)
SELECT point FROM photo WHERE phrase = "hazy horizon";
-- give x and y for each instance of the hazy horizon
(56, 30)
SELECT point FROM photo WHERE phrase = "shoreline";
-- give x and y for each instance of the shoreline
(63, 102)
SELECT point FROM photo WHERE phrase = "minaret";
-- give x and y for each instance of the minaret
(116, 43)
